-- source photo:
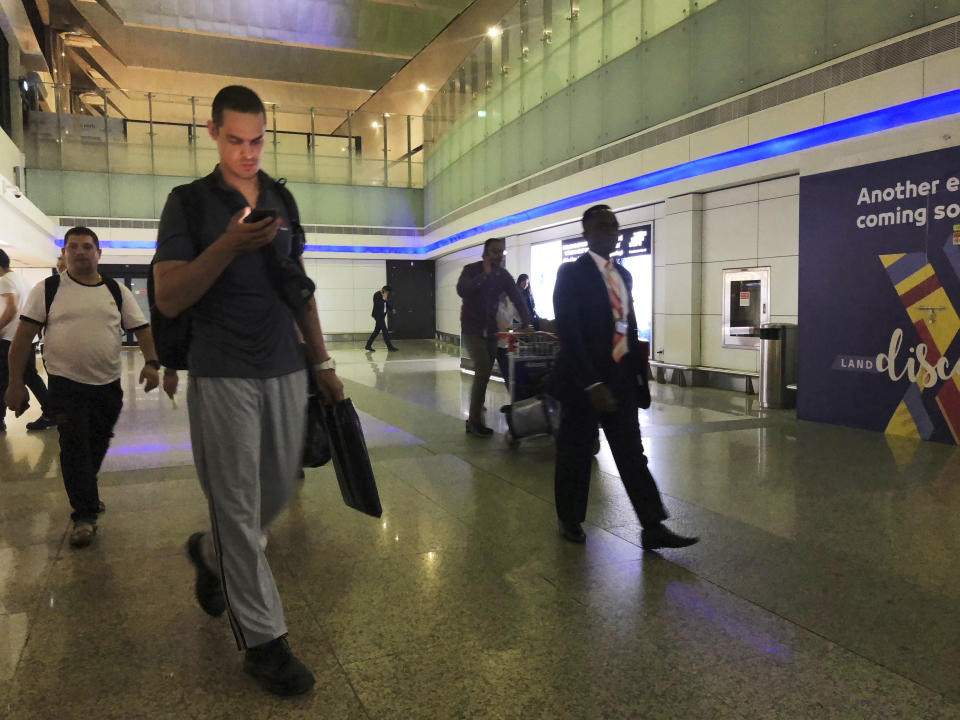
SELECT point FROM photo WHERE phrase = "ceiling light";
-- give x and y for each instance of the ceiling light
(494, 32)
(481, 113)
(386, 115)
(62, 54)
(374, 124)
(422, 87)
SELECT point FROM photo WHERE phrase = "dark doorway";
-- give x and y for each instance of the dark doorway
(135, 278)
(413, 298)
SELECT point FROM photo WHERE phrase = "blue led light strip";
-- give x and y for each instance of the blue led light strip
(929, 108)
(908, 113)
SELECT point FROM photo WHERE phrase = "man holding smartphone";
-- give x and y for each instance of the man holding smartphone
(247, 391)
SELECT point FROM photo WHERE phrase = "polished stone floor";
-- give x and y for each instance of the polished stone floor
(826, 584)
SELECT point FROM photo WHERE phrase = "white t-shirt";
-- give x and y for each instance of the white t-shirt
(82, 338)
(14, 284)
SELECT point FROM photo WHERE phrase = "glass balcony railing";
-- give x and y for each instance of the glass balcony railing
(114, 131)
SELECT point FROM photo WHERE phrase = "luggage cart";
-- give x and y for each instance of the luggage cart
(531, 412)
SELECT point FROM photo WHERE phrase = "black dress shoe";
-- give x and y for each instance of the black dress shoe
(660, 536)
(42, 423)
(393, 349)
(369, 349)
(572, 532)
(481, 431)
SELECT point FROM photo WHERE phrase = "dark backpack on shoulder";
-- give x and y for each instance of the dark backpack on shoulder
(172, 335)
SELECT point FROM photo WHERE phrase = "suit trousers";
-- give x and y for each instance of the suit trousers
(381, 327)
(483, 351)
(578, 431)
(85, 415)
(247, 436)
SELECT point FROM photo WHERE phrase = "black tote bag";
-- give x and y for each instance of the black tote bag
(316, 445)
(350, 459)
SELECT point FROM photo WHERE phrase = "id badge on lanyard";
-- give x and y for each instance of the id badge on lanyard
(620, 327)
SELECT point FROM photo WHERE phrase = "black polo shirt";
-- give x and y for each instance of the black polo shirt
(240, 327)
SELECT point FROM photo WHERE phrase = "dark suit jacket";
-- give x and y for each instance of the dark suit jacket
(585, 325)
(380, 306)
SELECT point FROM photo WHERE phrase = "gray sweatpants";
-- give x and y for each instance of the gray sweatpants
(247, 437)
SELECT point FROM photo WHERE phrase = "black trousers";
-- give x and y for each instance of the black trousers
(30, 378)
(86, 415)
(381, 327)
(578, 431)
(503, 362)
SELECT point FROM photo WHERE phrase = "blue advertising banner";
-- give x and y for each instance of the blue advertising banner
(879, 335)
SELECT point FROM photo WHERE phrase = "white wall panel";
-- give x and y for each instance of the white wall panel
(739, 195)
(721, 138)
(881, 90)
(778, 230)
(788, 118)
(941, 73)
(730, 232)
(682, 289)
(784, 284)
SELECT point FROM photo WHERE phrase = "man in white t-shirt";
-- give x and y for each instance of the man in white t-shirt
(83, 325)
(13, 294)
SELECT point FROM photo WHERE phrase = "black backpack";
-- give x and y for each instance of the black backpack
(172, 335)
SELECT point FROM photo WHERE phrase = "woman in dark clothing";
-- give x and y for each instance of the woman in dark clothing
(523, 284)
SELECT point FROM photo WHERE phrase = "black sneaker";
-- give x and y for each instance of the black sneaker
(275, 666)
(42, 423)
(208, 590)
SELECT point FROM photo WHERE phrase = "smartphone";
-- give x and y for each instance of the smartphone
(258, 214)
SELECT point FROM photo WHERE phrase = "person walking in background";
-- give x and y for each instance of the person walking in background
(13, 296)
(381, 305)
(597, 385)
(523, 283)
(480, 285)
(83, 315)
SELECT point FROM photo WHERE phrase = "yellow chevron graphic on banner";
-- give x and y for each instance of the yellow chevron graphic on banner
(911, 282)
(902, 423)
(889, 260)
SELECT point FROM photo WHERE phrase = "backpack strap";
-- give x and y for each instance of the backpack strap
(114, 287)
(192, 206)
(297, 235)
(50, 287)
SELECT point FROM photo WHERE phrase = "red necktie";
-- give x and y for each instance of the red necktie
(619, 339)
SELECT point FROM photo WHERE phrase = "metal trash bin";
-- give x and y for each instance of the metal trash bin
(778, 364)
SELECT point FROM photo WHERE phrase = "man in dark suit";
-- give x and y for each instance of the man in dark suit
(597, 385)
(381, 304)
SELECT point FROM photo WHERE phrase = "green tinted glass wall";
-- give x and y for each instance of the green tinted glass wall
(555, 84)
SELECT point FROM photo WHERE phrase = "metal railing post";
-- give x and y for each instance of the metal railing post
(386, 165)
(153, 164)
(409, 154)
